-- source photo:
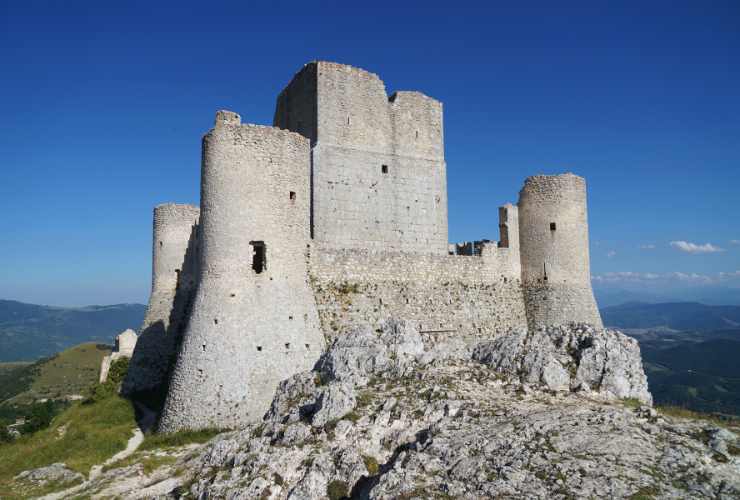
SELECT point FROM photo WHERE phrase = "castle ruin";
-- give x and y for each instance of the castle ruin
(337, 215)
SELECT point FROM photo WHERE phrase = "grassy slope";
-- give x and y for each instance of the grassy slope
(82, 436)
(70, 372)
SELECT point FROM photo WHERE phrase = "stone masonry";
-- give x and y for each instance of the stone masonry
(337, 216)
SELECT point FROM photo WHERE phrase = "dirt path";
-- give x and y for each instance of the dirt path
(131, 447)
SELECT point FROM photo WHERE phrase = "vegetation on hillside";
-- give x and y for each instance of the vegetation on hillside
(86, 434)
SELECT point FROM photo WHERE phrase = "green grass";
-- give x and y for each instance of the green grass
(86, 434)
(177, 439)
(69, 372)
(679, 412)
(149, 463)
(94, 433)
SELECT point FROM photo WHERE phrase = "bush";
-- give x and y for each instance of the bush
(336, 490)
(111, 386)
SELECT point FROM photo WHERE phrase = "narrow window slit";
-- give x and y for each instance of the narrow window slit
(259, 256)
(384, 169)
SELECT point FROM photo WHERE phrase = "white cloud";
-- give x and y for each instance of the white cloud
(693, 248)
(692, 278)
(647, 247)
(611, 253)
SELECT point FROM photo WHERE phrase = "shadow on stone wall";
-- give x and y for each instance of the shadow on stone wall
(154, 357)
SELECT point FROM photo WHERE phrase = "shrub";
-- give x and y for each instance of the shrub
(336, 490)
(371, 464)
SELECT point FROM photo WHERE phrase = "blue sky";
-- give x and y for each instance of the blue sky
(104, 103)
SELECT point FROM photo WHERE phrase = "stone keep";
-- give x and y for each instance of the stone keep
(337, 216)
(254, 320)
(553, 232)
(174, 261)
(378, 170)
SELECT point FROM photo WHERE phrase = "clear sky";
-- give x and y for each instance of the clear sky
(104, 104)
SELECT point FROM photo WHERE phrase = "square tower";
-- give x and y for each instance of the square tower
(378, 175)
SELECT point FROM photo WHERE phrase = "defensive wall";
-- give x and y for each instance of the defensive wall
(472, 297)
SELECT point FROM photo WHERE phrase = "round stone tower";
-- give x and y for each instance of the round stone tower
(174, 261)
(254, 320)
(553, 237)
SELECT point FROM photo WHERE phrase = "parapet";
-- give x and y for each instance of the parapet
(561, 187)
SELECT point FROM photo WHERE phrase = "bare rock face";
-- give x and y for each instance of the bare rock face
(56, 473)
(570, 358)
(387, 415)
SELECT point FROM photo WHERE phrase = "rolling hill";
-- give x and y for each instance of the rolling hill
(29, 332)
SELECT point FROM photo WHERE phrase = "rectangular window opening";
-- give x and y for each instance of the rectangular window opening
(552, 226)
(384, 169)
(259, 256)
(292, 196)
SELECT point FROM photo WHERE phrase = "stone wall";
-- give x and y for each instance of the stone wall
(254, 320)
(471, 297)
(378, 171)
(174, 263)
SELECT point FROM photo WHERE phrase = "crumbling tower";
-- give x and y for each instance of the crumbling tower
(254, 320)
(174, 262)
(553, 233)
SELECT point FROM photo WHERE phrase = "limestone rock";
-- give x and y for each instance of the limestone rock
(420, 426)
(55, 473)
(573, 357)
(335, 401)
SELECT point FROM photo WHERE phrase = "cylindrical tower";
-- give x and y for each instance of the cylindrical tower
(254, 320)
(174, 262)
(553, 237)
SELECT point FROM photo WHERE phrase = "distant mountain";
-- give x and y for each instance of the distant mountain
(608, 296)
(29, 331)
(674, 315)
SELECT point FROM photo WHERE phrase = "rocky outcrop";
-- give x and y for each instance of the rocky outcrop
(388, 414)
(57, 474)
(570, 358)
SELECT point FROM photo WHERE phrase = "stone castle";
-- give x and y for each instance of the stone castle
(337, 215)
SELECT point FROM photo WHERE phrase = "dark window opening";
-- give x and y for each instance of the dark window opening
(290, 317)
(292, 196)
(348, 120)
(233, 295)
(552, 226)
(287, 345)
(160, 244)
(308, 346)
(259, 348)
(215, 321)
(259, 256)
(384, 169)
